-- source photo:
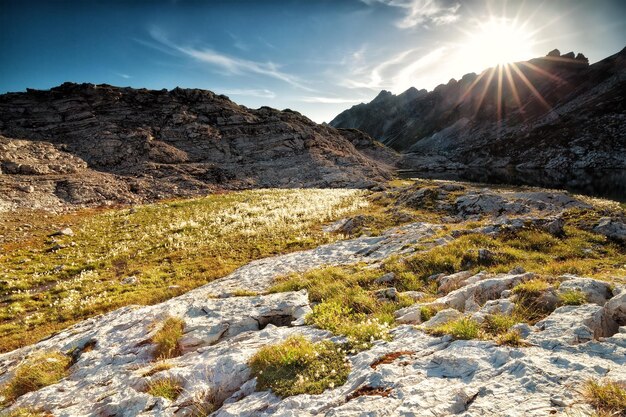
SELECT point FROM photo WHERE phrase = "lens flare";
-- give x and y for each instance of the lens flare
(499, 41)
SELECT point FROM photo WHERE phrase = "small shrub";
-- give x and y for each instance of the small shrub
(531, 289)
(163, 366)
(497, 324)
(169, 388)
(359, 329)
(530, 306)
(25, 412)
(428, 312)
(510, 338)
(573, 298)
(298, 366)
(167, 338)
(206, 402)
(329, 315)
(239, 292)
(362, 334)
(35, 373)
(463, 328)
(606, 397)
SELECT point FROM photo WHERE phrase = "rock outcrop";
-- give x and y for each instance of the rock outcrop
(421, 374)
(91, 144)
(562, 114)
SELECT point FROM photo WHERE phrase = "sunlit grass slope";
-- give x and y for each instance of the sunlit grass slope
(150, 253)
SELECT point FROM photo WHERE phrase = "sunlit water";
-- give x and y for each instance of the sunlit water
(609, 184)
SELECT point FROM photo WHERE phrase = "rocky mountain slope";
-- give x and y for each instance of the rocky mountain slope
(414, 372)
(92, 144)
(553, 112)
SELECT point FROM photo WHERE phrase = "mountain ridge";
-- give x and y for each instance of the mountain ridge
(465, 122)
(86, 144)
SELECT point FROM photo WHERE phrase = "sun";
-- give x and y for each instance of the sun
(499, 41)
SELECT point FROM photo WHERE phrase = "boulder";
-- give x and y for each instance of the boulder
(500, 306)
(523, 329)
(63, 232)
(485, 256)
(385, 279)
(451, 282)
(482, 291)
(442, 317)
(616, 308)
(595, 291)
(387, 294)
(574, 325)
(131, 280)
(414, 295)
(612, 229)
(409, 315)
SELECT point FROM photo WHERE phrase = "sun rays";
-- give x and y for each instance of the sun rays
(503, 87)
(512, 84)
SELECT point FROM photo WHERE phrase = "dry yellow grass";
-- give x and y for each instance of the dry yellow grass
(169, 248)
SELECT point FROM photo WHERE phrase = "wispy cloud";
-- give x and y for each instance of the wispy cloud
(376, 77)
(414, 67)
(261, 93)
(418, 71)
(422, 12)
(238, 43)
(122, 75)
(230, 64)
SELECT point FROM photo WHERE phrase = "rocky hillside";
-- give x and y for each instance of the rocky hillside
(553, 112)
(483, 336)
(93, 144)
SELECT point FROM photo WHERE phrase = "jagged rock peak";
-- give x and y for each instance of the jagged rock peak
(555, 53)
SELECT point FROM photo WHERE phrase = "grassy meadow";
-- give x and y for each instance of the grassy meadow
(147, 254)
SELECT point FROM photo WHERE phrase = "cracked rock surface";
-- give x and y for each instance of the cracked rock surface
(427, 376)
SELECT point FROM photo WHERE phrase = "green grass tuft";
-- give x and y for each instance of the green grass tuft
(497, 324)
(239, 292)
(170, 247)
(35, 373)
(167, 338)
(429, 311)
(511, 338)
(572, 298)
(25, 412)
(359, 329)
(159, 367)
(298, 366)
(169, 388)
(463, 328)
(607, 397)
(531, 289)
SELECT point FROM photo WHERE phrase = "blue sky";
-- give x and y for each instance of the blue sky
(317, 57)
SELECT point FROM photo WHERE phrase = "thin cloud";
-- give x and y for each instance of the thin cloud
(418, 70)
(122, 75)
(238, 43)
(231, 65)
(421, 12)
(376, 77)
(261, 93)
(410, 68)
